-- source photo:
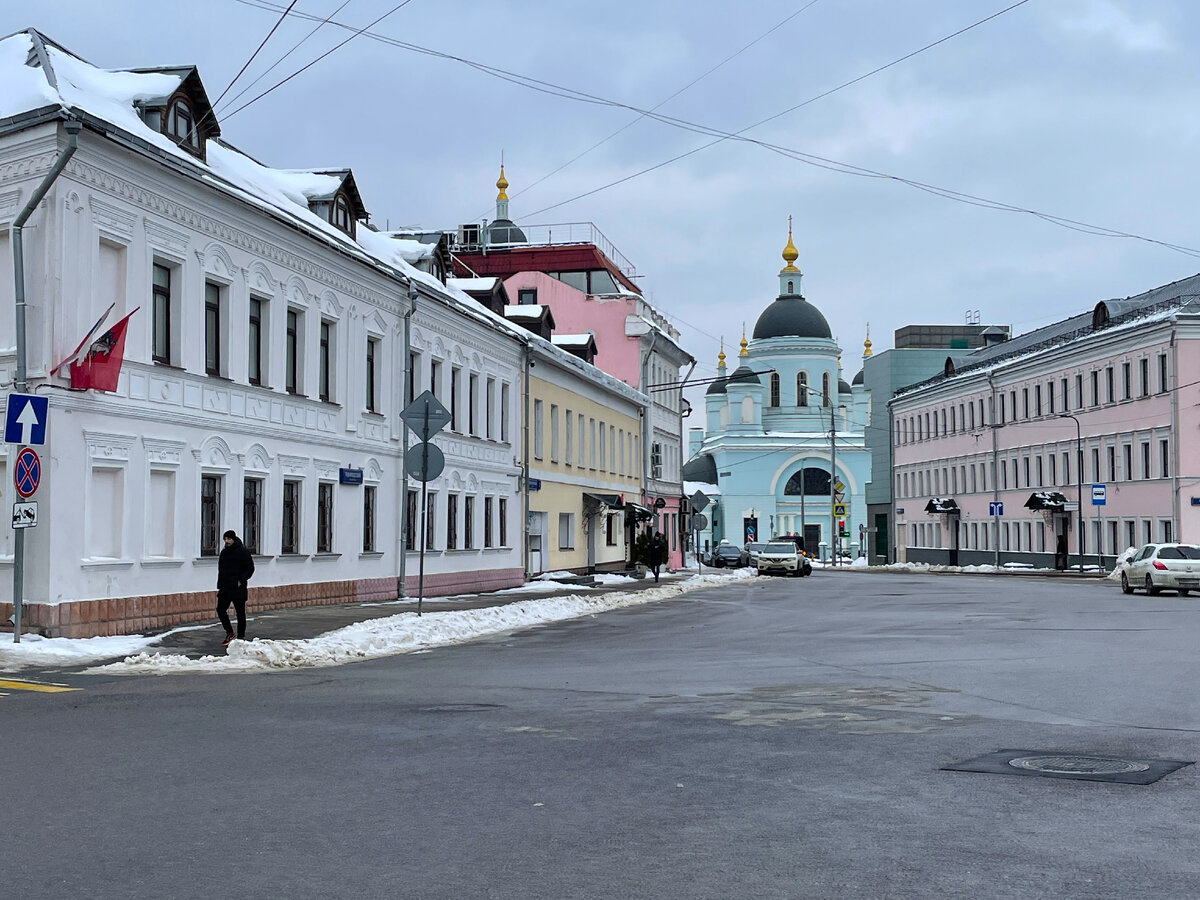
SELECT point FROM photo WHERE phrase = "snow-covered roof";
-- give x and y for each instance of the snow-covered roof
(37, 75)
(573, 340)
(526, 311)
(473, 284)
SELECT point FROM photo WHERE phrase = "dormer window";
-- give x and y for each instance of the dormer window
(181, 124)
(341, 215)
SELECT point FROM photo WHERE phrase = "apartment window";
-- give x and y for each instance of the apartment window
(291, 354)
(1025, 403)
(774, 389)
(489, 408)
(581, 445)
(291, 517)
(325, 362)
(656, 460)
(372, 385)
(553, 432)
(455, 391)
(414, 366)
(1052, 462)
(610, 531)
(181, 124)
(1112, 463)
(1012, 399)
(369, 519)
(1066, 468)
(1110, 385)
(1040, 473)
(1016, 476)
(1096, 465)
(1164, 458)
(1078, 392)
(341, 215)
(252, 495)
(1144, 372)
(468, 522)
(488, 503)
(591, 443)
(435, 379)
(212, 328)
(953, 421)
(502, 521)
(1127, 458)
(1162, 373)
(1095, 388)
(1126, 382)
(430, 521)
(411, 511)
(527, 297)
(255, 339)
(504, 412)
(538, 429)
(570, 433)
(1049, 397)
(162, 314)
(612, 449)
(1066, 403)
(210, 514)
(603, 447)
(566, 531)
(452, 521)
(1146, 460)
(1003, 413)
(473, 403)
(325, 517)
(802, 389)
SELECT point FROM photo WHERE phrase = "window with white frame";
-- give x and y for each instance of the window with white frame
(566, 531)
(369, 499)
(211, 489)
(164, 314)
(325, 517)
(252, 510)
(538, 430)
(325, 361)
(293, 352)
(214, 334)
(372, 398)
(554, 432)
(452, 521)
(290, 530)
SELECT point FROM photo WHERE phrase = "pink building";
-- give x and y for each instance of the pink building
(1001, 457)
(590, 287)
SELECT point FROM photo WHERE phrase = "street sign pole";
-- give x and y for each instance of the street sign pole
(424, 494)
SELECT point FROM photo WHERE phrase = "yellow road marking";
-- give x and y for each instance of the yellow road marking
(36, 686)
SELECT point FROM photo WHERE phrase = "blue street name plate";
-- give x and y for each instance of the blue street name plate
(350, 476)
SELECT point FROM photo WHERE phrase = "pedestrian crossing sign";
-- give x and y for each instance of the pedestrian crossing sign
(839, 509)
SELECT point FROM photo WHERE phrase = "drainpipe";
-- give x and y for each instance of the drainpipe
(995, 472)
(402, 489)
(525, 466)
(72, 128)
(647, 430)
(1172, 361)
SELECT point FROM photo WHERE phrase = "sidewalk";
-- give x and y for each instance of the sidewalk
(310, 621)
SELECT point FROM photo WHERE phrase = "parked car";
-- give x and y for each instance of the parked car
(753, 549)
(1175, 567)
(779, 556)
(726, 554)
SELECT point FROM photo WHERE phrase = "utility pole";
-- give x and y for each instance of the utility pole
(834, 539)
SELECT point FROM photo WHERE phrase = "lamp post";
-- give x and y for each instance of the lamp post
(1079, 481)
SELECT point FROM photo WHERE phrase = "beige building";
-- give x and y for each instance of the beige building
(583, 452)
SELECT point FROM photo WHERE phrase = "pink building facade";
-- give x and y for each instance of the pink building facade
(1076, 438)
(636, 344)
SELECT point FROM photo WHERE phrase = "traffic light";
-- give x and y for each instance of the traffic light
(842, 530)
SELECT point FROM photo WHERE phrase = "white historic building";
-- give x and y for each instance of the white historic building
(264, 369)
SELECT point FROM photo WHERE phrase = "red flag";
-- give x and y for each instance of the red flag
(80, 352)
(101, 368)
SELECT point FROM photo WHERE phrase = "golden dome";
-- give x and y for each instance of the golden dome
(743, 351)
(867, 343)
(502, 184)
(790, 253)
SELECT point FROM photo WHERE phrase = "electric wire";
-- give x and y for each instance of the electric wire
(245, 90)
(319, 58)
(283, 15)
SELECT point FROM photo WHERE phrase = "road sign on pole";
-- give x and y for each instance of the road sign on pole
(24, 515)
(424, 461)
(425, 416)
(699, 501)
(25, 419)
(27, 473)
(996, 508)
(1099, 495)
(839, 509)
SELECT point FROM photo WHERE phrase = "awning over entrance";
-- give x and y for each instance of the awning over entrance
(612, 501)
(942, 506)
(639, 513)
(1046, 500)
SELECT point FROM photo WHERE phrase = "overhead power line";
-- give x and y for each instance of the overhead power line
(798, 155)
(283, 15)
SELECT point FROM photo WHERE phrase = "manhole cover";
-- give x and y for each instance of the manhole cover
(1078, 766)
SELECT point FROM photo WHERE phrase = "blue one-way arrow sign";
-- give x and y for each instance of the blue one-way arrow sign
(25, 419)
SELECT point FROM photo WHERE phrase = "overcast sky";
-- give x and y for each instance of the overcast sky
(1084, 109)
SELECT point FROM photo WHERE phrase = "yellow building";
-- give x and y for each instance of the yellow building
(583, 454)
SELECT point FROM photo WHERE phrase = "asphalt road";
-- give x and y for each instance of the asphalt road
(768, 739)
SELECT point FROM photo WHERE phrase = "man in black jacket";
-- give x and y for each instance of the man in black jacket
(234, 568)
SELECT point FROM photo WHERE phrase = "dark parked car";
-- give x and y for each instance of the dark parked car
(728, 555)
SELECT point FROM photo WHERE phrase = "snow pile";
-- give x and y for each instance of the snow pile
(403, 633)
(1123, 562)
(35, 650)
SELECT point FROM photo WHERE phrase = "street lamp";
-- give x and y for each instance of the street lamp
(1079, 479)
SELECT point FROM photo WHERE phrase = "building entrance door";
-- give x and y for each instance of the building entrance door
(812, 541)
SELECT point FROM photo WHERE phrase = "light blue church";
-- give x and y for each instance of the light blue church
(777, 427)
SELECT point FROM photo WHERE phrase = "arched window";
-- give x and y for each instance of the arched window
(802, 389)
(774, 389)
(790, 289)
(341, 214)
(825, 398)
(181, 124)
(809, 481)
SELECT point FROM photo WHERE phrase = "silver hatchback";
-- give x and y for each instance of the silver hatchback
(1175, 567)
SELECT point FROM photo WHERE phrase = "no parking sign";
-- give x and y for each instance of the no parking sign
(27, 473)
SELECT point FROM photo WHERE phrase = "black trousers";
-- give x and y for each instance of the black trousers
(239, 604)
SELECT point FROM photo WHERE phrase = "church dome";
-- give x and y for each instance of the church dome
(843, 388)
(717, 387)
(702, 468)
(791, 316)
(744, 375)
(858, 379)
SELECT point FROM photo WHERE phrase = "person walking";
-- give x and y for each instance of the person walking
(235, 565)
(658, 552)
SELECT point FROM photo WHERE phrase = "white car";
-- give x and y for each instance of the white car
(1175, 567)
(779, 556)
(753, 549)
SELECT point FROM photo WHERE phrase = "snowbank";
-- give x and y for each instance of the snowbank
(404, 633)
